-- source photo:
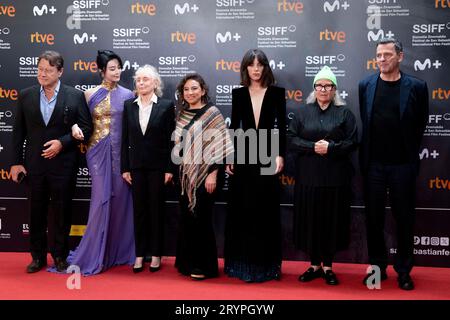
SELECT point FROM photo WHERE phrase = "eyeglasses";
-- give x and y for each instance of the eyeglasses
(327, 87)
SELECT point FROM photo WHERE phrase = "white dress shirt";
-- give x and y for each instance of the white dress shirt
(145, 111)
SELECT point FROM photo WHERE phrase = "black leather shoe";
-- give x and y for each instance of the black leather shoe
(405, 282)
(36, 265)
(330, 278)
(197, 274)
(383, 276)
(61, 264)
(310, 274)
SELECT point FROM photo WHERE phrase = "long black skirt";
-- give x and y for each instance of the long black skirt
(253, 227)
(196, 247)
(322, 219)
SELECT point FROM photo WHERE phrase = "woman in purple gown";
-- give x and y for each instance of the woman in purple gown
(108, 239)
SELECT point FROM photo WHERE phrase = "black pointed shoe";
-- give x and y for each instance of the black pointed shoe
(310, 274)
(61, 264)
(405, 282)
(36, 265)
(330, 278)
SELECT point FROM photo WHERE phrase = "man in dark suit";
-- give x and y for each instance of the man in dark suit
(44, 117)
(394, 112)
(148, 123)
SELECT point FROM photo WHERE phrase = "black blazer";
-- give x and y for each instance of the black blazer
(152, 149)
(29, 124)
(273, 112)
(413, 115)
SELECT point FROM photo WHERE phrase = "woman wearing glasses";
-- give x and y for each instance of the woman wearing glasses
(322, 135)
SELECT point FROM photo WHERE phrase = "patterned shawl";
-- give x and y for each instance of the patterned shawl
(206, 142)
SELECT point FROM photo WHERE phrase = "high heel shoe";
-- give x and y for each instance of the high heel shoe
(157, 268)
(138, 269)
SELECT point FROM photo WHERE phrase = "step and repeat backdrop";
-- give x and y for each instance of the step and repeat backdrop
(210, 37)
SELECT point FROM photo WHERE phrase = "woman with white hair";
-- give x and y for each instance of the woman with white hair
(322, 135)
(148, 122)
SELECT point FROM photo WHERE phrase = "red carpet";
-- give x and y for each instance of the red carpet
(167, 284)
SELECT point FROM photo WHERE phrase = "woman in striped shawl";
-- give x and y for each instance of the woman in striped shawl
(202, 143)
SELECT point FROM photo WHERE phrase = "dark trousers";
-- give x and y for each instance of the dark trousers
(54, 191)
(399, 181)
(317, 259)
(149, 207)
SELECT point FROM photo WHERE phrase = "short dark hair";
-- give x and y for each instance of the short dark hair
(267, 77)
(397, 44)
(195, 77)
(54, 58)
(104, 56)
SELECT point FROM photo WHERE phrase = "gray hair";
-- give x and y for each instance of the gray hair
(337, 100)
(151, 71)
(54, 58)
(397, 44)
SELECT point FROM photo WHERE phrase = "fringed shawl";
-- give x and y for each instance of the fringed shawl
(205, 142)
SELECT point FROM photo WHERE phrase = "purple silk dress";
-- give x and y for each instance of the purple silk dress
(109, 236)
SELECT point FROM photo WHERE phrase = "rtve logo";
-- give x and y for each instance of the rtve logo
(418, 65)
(277, 65)
(185, 8)
(294, 95)
(436, 118)
(47, 38)
(175, 61)
(146, 8)
(434, 241)
(89, 4)
(439, 183)
(336, 5)
(223, 65)
(28, 61)
(442, 4)
(77, 39)
(129, 32)
(5, 114)
(5, 174)
(276, 30)
(290, 6)
(11, 94)
(184, 37)
(233, 3)
(82, 147)
(328, 35)
(372, 64)
(8, 10)
(287, 180)
(322, 60)
(425, 154)
(227, 37)
(430, 28)
(81, 65)
(43, 10)
(441, 94)
(5, 31)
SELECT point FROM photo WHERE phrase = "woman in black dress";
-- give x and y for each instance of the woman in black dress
(253, 226)
(322, 134)
(200, 128)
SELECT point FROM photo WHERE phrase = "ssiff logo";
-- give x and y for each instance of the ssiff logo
(7, 114)
(227, 37)
(8, 10)
(290, 6)
(43, 10)
(5, 31)
(418, 65)
(185, 8)
(145, 8)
